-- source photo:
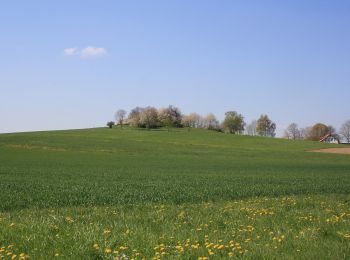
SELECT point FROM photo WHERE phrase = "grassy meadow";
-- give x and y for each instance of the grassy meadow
(137, 194)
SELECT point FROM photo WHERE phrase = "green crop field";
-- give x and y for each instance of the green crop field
(137, 194)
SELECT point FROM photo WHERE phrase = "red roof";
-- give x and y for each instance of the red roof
(325, 137)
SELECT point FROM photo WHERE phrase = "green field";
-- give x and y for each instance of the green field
(129, 193)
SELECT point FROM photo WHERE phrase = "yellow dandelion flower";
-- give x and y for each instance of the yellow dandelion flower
(221, 247)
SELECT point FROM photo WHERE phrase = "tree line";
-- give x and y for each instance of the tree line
(171, 117)
(317, 131)
(233, 123)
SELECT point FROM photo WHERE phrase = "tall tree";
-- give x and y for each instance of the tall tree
(305, 132)
(149, 118)
(345, 131)
(134, 116)
(265, 127)
(191, 120)
(251, 128)
(318, 131)
(233, 122)
(211, 122)
(292, 132)
(120, 116)
(170, 117)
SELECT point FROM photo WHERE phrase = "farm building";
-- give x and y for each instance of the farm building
(329, 138)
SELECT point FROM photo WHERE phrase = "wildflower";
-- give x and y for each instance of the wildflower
(69, 220)
(196, 246)
(106, 231)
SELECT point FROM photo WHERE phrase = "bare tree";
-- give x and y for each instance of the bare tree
(251, 128)
(331, 130)
(305, 132)
(211, 122)
(292, 132)
(345, 131)
(120, 116)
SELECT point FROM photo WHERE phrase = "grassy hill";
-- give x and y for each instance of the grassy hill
(128, 193)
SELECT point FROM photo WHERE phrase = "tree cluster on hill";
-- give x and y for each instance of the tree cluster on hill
(233, 123)
(171, 117)
(317, 131)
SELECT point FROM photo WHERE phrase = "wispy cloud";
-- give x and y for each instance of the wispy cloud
(70, 51)
(87, 52)
(93, 52)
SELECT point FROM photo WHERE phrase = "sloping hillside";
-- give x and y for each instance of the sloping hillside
(106, 192)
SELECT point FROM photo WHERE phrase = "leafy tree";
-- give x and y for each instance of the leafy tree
(170, 117)
(134, 116)
(110, 124)
(265, 127)
(149, 118)
(191, 120)
(318, 131)
(345, 131)
(211, 122)
(120, 116)
(233, 122)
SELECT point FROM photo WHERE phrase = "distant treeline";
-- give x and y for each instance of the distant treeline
(171, 117)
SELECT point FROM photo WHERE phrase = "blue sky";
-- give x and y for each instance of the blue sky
(287, 59)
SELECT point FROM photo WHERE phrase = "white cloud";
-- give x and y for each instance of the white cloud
(70, 51)
(91, 51)
(87, 52)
